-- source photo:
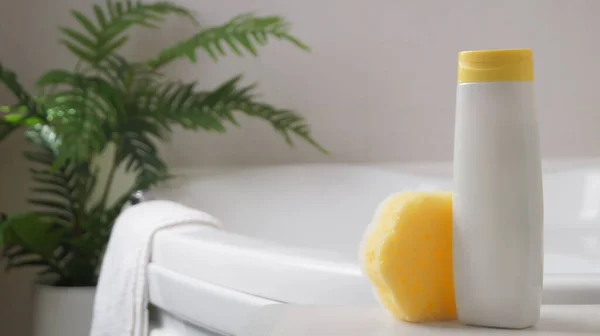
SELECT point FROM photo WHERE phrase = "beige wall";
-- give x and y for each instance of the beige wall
(379, 85)
(15, 287)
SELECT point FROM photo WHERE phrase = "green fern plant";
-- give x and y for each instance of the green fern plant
(108, 100)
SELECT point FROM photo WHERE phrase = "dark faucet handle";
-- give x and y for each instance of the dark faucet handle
(139, 196)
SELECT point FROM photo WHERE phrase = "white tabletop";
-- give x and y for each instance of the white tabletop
(301, 320)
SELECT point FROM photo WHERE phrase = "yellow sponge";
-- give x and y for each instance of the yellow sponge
(407, 255)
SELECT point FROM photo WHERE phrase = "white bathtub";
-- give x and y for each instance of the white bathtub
(292, 234)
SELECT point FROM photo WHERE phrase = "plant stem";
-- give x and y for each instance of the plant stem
(109, 181)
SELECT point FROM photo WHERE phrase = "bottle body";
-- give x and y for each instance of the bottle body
(498, 205)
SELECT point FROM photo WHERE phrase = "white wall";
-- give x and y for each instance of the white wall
(380, 82)
(379, 85)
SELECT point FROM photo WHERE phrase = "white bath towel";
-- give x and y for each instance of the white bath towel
(121, 305)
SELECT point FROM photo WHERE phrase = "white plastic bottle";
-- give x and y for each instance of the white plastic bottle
(498, 205)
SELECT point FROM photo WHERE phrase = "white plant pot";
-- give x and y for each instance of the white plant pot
(63, 311)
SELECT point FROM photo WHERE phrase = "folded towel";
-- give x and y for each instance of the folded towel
(121, 304)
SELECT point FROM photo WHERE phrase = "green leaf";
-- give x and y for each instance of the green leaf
(110, 6)
(234, 34)
(243, 39)
(56, 77)
(231, 44)
(107, 34)
(100, 16)
(33, 231)
(77, 51)
(119, 8)
(32, 121)
(80, 112)
(219, 48)
(111, 47)
(84, 40)
(260, 37)
(59, 217)
(295, 41)
(59, 192)
(19, 119)
(179, 103)
(14, 118)
(140, 154)
(26, 102)
(85, 22)
(49, 180)
(50, 204)
(285, 122)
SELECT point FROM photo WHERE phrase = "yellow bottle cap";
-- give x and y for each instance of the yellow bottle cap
(495, 66)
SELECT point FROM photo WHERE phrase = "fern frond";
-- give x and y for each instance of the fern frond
(243, 33)
(10, 81)
(30, 112)
(79, 111)
(60, 195)
(134, 76)
(33, 235)
(209, 110)
(285, 122)
(55, 192)
(103, 35)
(192, 110)
(140, 155)
(78, 84)
(137, 86)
